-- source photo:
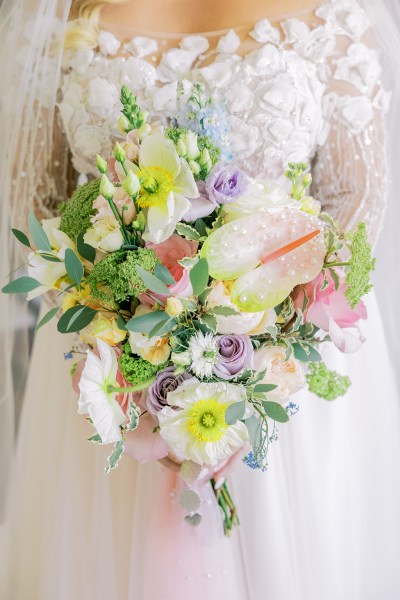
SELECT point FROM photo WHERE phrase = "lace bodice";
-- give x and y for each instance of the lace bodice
(306, 91)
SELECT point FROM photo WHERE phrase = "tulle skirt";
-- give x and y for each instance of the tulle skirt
(323, 522)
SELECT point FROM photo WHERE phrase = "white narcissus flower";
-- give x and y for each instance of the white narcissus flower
(48, 273)
(194, 422)
(96, 399)
(166, 184)
(287, 375)
(105, 234)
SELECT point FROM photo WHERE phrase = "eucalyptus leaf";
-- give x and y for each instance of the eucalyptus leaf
(163, 274)
(145, 323)
(85, 250)
(73, 266)
(114, 457)
(264, 388)
(275, 411)
(22, 285)
(235, 412)
(75, 318)
(21, 237)
(199, 276)
(153, 283)
(162, 327)
(255, 431)
(50, 257)
(47, 317)
(121, 322)
(38, 234)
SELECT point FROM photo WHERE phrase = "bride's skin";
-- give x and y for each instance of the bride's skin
(190, 17)
(197, 16)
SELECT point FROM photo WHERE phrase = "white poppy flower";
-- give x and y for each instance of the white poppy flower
(167, 183)
(195, 427)
(96, 399)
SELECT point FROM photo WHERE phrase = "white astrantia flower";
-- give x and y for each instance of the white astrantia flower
(194, 425)
(204, 353)
(166, 184)
(96, 397)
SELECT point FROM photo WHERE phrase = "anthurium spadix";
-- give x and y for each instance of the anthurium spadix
(268, 254)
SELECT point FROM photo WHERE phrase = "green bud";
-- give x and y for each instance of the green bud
(124, 124)
(181, 148)
(194, 167)
(101, 164)
(307, 180)
(131, 184)
(106, 188)
(205, 158)
(119, 153)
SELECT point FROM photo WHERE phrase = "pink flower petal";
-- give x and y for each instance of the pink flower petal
(345, 340)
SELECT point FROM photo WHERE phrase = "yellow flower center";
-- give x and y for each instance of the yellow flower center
(207, 420)
(157, 184)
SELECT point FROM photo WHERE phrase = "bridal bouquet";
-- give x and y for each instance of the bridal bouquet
(200, 296)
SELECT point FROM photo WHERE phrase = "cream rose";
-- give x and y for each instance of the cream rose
(287, 375)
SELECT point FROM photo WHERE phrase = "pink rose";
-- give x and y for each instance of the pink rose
(329, 310)
(169, 252)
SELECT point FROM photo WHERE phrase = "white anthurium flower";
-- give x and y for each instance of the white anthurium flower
(242, 323)
(261, 196)
(96, 396)
(166, 184)
(49, 273)
(194, 425)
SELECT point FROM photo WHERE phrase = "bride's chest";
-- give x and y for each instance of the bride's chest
(270, 105)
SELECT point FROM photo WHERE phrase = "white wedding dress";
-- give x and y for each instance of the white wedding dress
(323, 522)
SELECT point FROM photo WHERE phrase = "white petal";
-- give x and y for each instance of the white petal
(108, 359)
(185, 183)
(107, 416)
(155, 151)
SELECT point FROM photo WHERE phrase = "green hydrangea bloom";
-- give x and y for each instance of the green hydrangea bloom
(136, 370)
(361, 265)
(326, 384)
(76, 212)
(115, 278)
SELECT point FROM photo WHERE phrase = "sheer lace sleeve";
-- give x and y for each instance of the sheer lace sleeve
(56, 176)
(350, 167)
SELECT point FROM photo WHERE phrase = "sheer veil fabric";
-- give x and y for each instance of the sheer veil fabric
(29, 93)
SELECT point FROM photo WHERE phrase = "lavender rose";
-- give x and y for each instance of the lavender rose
(225, 183)
(165, 382)
(235, 354)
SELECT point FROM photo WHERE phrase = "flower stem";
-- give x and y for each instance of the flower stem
(132, 388)
(336, 264)
(225, 501)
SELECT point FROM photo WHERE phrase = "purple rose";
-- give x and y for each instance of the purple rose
(235, 354)
(225, 183)
(165, 382)
(200, 207)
